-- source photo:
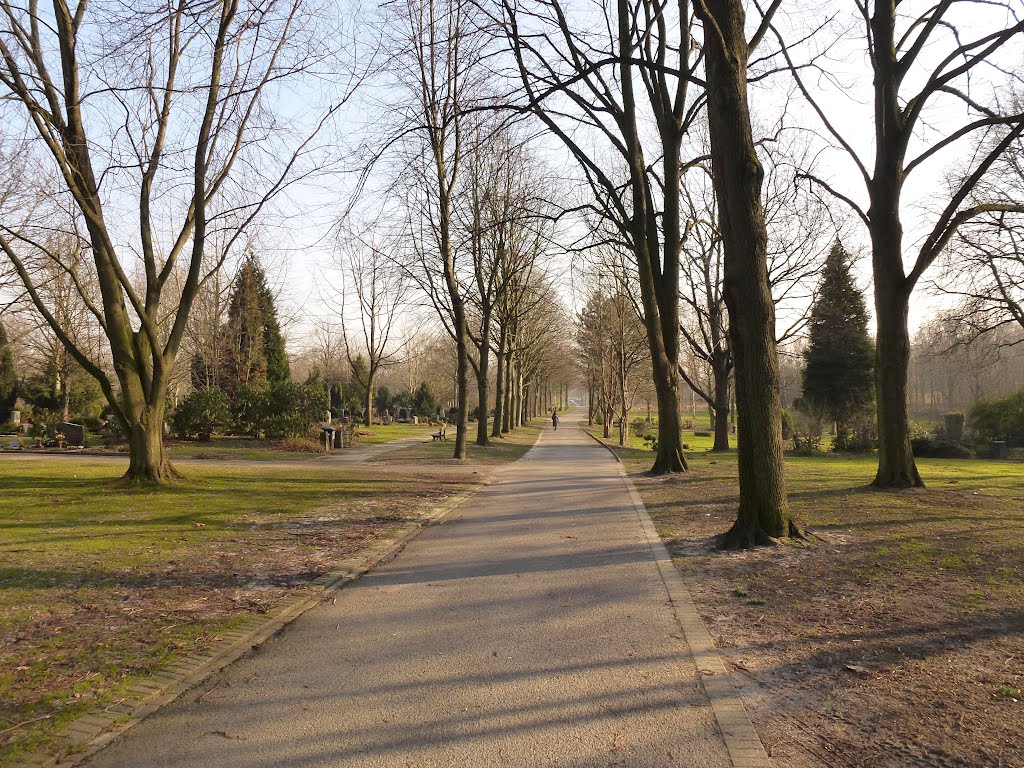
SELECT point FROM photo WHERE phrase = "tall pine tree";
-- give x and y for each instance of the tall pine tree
(8, 377)
(838, 376)
(253, 347)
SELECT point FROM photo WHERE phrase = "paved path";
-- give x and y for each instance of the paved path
(531, 629)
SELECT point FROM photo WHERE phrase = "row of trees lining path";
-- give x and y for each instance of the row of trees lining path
(625, 100)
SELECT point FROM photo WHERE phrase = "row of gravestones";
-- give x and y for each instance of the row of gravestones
(402, 416)
(66, 432)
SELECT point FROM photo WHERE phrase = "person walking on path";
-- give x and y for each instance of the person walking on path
(554, 419)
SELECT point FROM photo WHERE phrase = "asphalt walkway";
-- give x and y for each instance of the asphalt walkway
(532, 628)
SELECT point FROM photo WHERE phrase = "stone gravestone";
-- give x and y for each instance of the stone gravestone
(953, 426)
(74, 434)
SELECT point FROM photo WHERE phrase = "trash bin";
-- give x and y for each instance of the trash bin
(1000, 450)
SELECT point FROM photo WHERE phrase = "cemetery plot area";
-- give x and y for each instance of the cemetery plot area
(99, 584)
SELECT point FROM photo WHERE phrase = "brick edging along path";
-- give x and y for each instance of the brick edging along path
(91, 732)
(741, 739)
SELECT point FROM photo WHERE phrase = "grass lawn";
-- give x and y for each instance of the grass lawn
(248, 449)
(508, 448)
(99, 584)
(896, 638)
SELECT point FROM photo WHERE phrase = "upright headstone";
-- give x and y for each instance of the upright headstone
(74, 434)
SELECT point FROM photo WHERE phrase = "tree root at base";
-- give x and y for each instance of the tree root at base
(747, 535)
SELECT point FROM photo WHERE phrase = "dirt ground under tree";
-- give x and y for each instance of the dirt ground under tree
(895, 639)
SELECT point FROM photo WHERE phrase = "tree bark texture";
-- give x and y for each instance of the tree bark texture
(896, 466)
(721, 406)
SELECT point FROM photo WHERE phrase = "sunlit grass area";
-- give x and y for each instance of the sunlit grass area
(100, 584)
(509, 447)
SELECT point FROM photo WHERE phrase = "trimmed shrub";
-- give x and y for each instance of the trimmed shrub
(640, 427)
(43, 421)
(251, 408)
(938, 448)
(860, 436)
(203, 413)
(953, 426)
(293, 408)
(787, 425)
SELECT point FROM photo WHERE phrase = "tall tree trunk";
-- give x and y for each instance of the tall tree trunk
(368, 401)
(147, 462)
(482, 382)
(461, 381)
(483, 394)
(670, 436)
(506, 415)
(499, 387)
(518, 410)
(896, 465)
(590, 402)
(623, 418)
(65, 399)
(763, 510)
(721, 408)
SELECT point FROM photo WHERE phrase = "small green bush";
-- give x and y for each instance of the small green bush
(701, 433)
(43, 421)
(293, 408)
(201, 414)
(938, 448)
(787, 425)
(999, 419)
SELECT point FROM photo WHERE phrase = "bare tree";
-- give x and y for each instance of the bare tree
(799, 230)
(738, 175)
(704, 323)
(164, 111)
(500, 217)
(619, 94)
(931, 61)
(378, 287)
(436, 51)
(984, 264)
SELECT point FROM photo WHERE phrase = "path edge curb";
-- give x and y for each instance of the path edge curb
(92, 731)
(741, 740)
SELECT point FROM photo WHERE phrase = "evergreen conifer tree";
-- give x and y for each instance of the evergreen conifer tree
(8, 377)
(255, 347)
(838, 376)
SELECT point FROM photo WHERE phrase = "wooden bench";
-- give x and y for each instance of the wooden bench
(439, 435)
